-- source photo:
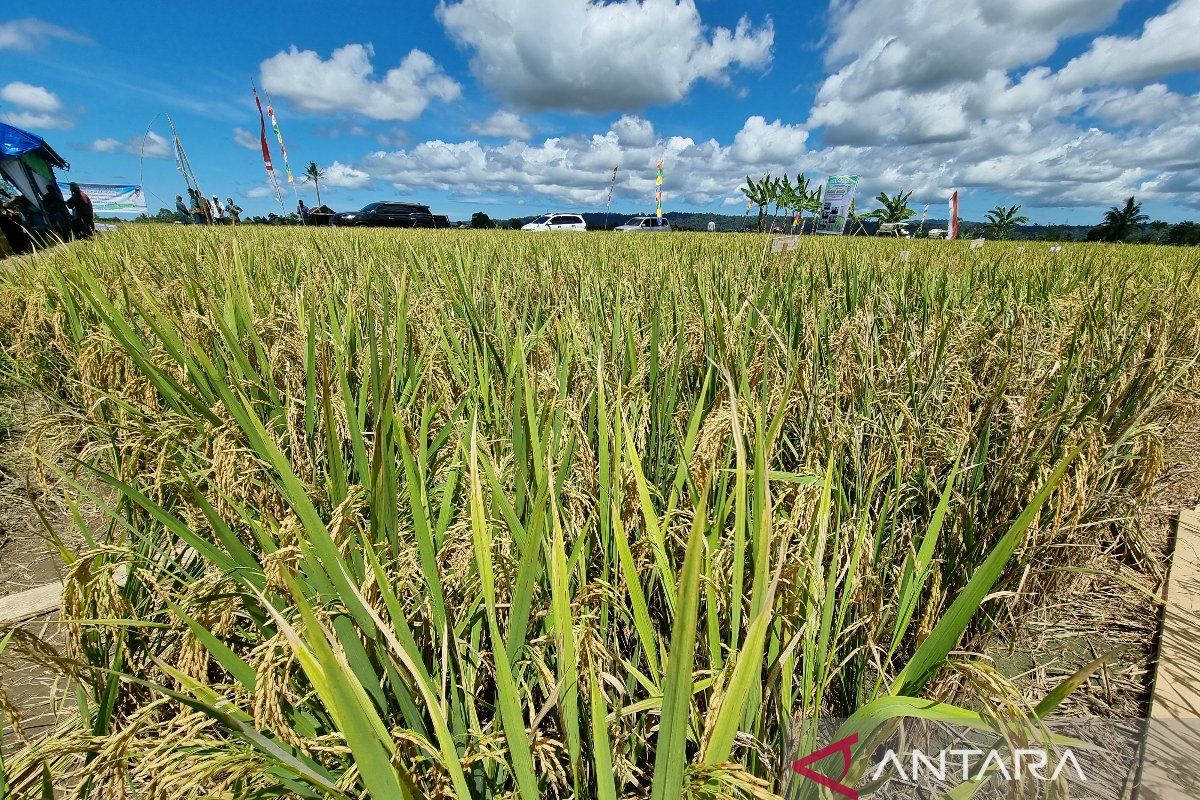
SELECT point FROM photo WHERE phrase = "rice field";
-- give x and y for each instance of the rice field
(500, 515)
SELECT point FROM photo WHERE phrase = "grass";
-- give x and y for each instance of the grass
(485, 514)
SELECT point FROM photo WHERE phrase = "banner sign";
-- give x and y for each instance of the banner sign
(111, 199)
(835, 204)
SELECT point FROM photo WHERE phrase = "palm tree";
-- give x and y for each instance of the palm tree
(1120, 222)
(893, 209)
(1001, 221)
(314, 173)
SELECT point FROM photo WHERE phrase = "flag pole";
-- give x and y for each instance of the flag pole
(266, 150)
(612, 185)
(658, 192)
(287, 167)
(181, 160)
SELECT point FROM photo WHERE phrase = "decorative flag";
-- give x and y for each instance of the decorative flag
(658, 191)
(282, 150)
(181, 159)
(611, 185)
(952, 233)
(266, 151)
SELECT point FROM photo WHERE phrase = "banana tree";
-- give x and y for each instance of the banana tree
(1002, 220)
(759, 193)
(806, 199)
(892, 209)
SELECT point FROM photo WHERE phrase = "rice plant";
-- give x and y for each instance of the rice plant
(474, 515)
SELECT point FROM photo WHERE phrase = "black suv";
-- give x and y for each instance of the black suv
(390, 214)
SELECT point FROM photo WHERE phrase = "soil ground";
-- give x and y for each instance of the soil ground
(1103, 615)
(28, 558)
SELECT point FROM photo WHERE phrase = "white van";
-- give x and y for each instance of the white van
(556, 222)
(644, 224)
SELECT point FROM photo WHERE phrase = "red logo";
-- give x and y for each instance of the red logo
(801, 766)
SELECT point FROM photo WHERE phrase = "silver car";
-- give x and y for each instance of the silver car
(556, 221)
(644, 224)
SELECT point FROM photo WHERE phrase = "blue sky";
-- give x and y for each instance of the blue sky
(518, 106)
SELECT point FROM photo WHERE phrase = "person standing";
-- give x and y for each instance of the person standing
(206, 211)
(303, 211)
(235, 213)
(83, 219)
(196, 209)
(181, 209)
(218, 210)
(58, 216)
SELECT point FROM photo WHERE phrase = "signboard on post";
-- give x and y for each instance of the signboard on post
(835, 204)
(111, 199)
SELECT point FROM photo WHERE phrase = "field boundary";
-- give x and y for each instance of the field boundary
(1168, 764)
(17, 607)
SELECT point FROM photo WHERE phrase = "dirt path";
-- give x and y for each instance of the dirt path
(1107, 615)
(28, 559)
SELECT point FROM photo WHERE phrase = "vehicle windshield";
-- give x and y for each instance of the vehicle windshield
(635, 221)
(542, 220)
(369, 207)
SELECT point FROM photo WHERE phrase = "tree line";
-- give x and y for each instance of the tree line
(1124, 223)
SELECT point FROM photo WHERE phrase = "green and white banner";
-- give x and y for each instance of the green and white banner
(835, 203)
(111, 198)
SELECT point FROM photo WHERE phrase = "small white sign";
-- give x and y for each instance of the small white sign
(781, 244)
(1020, 250)
(977, 243)
(904, 255)
(1056, 248)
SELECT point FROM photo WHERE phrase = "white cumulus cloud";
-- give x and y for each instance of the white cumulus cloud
(33, 107)
(576, 169)
(761, 141)
(344, 82)
(503, 124)
(151, 145)
(584, 55)
(30, 97)
(344, 176)
(1169, 43)
(958, 93)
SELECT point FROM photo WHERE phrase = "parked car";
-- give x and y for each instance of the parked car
(556, 221)
(441, 221)
(390, 214)
(644, 224)
(897, 229)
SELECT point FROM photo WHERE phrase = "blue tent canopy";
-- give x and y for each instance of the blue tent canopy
(15, 143)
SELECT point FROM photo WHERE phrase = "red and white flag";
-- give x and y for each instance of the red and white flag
(266, 151)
